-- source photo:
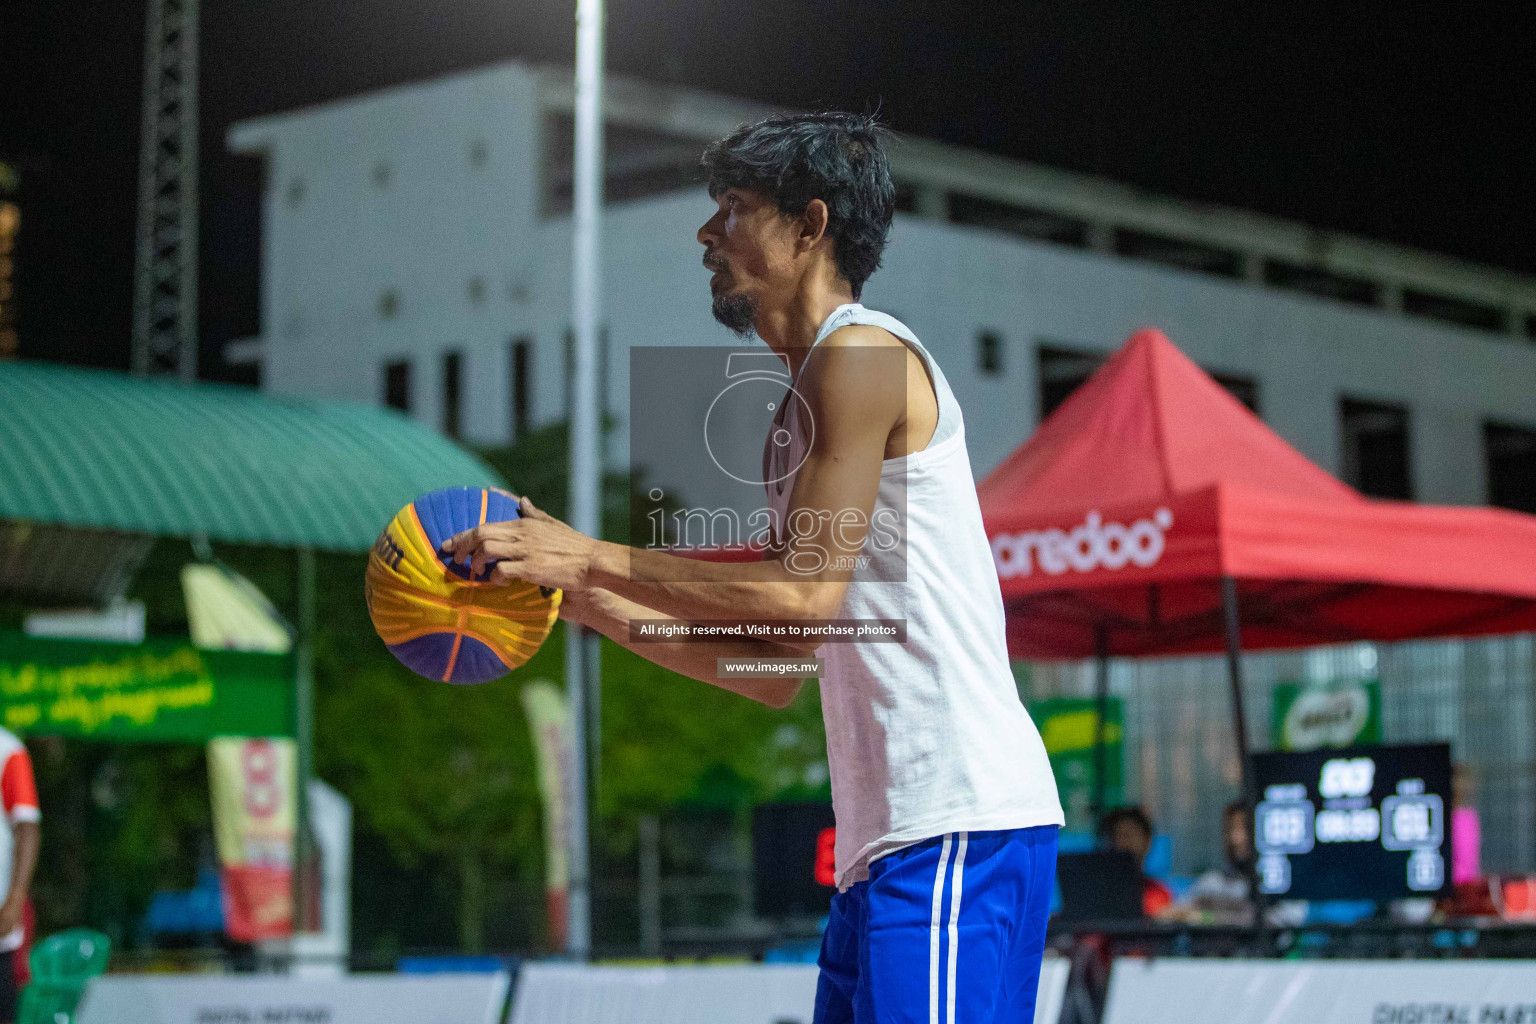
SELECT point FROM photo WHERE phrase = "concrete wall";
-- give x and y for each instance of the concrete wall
(418, 191)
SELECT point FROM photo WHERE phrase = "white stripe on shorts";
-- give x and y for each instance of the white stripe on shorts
(933, 934)
(954, 922)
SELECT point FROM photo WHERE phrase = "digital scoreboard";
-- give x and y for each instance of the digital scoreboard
(792, 847)
(1357, 823)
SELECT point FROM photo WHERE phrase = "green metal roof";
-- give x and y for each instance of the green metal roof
(90, 448)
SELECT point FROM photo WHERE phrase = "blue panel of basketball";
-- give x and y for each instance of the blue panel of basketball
(428, 655)
(430, 615)
(477, 663)
(456, 509)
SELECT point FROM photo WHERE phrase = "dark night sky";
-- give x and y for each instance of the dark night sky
(1395, 121)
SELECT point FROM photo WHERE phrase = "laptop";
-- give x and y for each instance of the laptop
(1104, 885)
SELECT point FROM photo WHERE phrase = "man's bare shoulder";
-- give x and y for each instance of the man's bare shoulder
(858, 352)
(860, 371)
(861, 336)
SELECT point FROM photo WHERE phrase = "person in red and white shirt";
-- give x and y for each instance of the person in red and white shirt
(20, 838)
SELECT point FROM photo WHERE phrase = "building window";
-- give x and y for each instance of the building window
(381, 174)
(479, 153)
(1024, 221)
(453, 364)
(475, 289)
(522, 382)
(1244, 389)
(397, 385)
(1063, 370)
(1178, 252)
(1376, 449)
(295, 193)
(1451, 310)
(1324, 283)
(389, 304)
(989, 353)
(1511, 457)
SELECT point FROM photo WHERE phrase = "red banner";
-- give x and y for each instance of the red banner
(251, 782)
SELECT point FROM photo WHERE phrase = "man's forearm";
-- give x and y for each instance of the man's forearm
(610, 615)
(692, 589)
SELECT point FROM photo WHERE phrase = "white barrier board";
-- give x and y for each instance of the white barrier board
(703, 994)
(1053, 989)
(275, 999)
(1322, 992)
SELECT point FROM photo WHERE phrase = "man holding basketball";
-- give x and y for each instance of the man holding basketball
(946, 808)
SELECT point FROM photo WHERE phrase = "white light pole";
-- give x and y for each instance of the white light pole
(581, 657)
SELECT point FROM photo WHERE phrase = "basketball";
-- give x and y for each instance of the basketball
(440, 623)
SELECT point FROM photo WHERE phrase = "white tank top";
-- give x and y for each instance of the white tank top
(929, 736)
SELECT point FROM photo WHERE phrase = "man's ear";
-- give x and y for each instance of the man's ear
(813, 223)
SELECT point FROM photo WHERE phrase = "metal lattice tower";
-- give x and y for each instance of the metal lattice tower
(165, 263)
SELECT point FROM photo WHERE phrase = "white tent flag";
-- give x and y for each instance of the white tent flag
(549, 719)
(226, 612)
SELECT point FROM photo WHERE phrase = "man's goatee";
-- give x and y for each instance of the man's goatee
(735, 312)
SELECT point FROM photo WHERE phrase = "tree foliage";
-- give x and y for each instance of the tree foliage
(444, 775)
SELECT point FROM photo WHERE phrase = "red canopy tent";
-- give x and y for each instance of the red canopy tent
(1153, 514)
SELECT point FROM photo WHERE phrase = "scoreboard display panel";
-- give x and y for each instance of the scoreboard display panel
(1355, 823)
(792, 859)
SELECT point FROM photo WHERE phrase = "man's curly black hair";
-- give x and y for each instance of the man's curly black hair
(835, 157)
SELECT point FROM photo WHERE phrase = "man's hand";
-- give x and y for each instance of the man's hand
(537, 548)
(10, 916)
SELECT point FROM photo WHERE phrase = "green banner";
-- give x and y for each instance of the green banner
(1338, 713)
(1068, 726)
(160, 690)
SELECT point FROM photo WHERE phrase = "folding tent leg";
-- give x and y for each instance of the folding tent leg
(1229, 607)
(1100, 714)
(1235, 679)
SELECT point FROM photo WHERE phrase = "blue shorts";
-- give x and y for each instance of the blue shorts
(948, 931)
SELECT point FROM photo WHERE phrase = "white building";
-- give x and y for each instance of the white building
(416, 241)
(416, 251)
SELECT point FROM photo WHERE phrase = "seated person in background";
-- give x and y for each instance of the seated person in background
(1221, 895)
(1129, 830)
(1472, 893)
(1466, 828)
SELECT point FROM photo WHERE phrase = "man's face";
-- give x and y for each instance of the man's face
(1129, 837)
(750, 247)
